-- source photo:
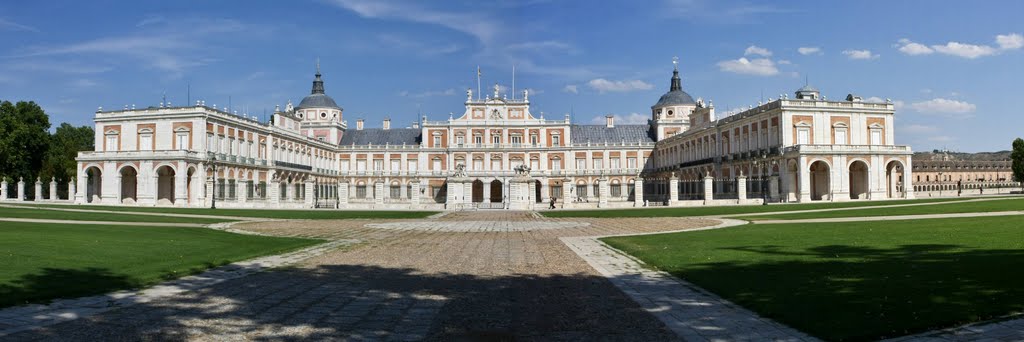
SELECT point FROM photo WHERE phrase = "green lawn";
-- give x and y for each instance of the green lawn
(312, 214)
(1015, 204)
(44, 262)
(43, 213)
(729, 210)
(853, 281)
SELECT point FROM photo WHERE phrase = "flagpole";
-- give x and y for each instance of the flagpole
(513, 81)
(478, 82)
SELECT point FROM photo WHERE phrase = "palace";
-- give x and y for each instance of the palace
(497, 154)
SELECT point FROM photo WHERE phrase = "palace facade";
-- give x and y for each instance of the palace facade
(496, 154)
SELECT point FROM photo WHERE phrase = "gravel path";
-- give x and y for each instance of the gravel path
(416, 283)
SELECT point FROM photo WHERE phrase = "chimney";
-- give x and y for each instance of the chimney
(359, 124)
(609, 121)
(387, 123)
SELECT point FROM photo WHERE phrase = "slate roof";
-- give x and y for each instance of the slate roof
(380, 136)
(318, 101)
(599, 134)
(675, 98)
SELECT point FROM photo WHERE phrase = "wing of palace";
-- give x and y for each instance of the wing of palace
(497, 153)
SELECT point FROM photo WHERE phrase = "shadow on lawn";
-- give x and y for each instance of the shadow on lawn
(840, 292)
(354, 302)
(55, 283)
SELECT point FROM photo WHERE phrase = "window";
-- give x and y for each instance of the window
(396, 165)
(211, 143)
(344, 165)
(378, 165)
(182, 141)
(840, 136)
(803, 136)
(516, 139)
(616, 189)
(396, 190)
(598, 164)
(111, 142)
(535, 164)
(581, 190)
(556, 140)
(408, 191)
(496, 139)
(478, 139)
(876, 137)
(361, 190)
(436, 164)
(437, 141)
(597, 190)
(145, 141)
(478, 164)
(412, 165)
(460, 140)
(495, 164)
(361, 165)
(515, 163)
(581, 164)
(615, 163)
(631, 163)
(556, 191)
(534, 139)
(556, 164)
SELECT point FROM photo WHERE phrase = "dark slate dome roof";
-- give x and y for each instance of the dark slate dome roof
(317, 98)
(675, 95)
(318, 101)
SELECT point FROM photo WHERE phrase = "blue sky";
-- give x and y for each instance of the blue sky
(954, 69)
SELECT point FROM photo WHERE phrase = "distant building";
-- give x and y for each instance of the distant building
(496, 154)
(943, 172)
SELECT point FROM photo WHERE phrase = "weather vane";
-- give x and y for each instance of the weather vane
(675, 62)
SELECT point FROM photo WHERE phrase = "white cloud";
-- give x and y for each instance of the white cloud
(920, 129)
(423, 48)
(603, 85)
(629, 119)
(860, 54)
(541, 46)
(757, 66)
(465, 22)
(13, 26)
(1010, 41)
(943, 106)
(969, 51)
(84, 83)
(809, 50)
(446, 92)
(908, 47)
(784, 62)
(875, 99)
(571, 88)
(756, 50)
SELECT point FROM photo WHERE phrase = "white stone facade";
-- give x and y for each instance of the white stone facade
(496, 154)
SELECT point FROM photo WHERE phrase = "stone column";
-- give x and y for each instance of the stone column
(80, 191)
(342, 193)
(638, 192)
(274, 191)
(378, 192)
(531, 194)
(545, 197)
(72, 190)
(602, 192)
(467, 193)
(673, 189)
(773, 186)
(741, 187)
(243, 190)
(53, 189)
(21, 189)
(452, 197)
(180, 181)
(310, 199)
(804, 175)
(709, 189)
(566, 186)
(908, 180)
(209, 194)
(3, 189)
(414, 197)
(38, 190)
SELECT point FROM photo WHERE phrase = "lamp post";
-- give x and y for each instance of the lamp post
(211, 158)
(764, 182)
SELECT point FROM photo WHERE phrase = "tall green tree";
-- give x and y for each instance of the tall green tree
(1017, 156)
(24, 139)
(65, 143)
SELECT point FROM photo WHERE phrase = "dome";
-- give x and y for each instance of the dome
(675, 95)
(807, 88)
(675, 98)
(318, 101)
(317, 98)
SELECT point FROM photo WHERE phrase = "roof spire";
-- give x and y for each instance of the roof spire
(677, 83)
(318, 84)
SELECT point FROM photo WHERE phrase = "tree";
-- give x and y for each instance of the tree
(23, 140)
(1017, 156)
(65, 143)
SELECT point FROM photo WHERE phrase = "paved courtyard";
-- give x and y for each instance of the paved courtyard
(463, 276)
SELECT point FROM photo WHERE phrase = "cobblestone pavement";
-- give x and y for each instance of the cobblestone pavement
(405, 284)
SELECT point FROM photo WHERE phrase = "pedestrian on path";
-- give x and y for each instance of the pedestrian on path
(553, 200)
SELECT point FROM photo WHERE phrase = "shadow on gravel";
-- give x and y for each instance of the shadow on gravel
(364, 302)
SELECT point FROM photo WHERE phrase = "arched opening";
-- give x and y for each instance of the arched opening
(537, 191)
(165, 185)
(93, 184)
(129, 185)
(820, 177)
(858, 180)
(496, 194)
(894, 180)
(478, 191)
